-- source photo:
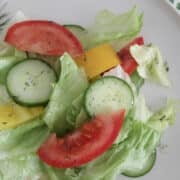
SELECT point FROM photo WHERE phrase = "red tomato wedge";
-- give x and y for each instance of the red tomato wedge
(128, 63)
(85, 144)
(43, 37)
(138, 41)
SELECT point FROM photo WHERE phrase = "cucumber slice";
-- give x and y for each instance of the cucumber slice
(79, 31)
(141, 172)
(108, 94)
(74, 27)
(30, 82)
(53, 61)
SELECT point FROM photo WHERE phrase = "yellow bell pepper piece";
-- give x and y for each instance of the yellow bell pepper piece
(12, 115)
(98, 60)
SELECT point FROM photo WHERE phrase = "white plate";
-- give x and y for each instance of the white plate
(175, 4)
(161, 26)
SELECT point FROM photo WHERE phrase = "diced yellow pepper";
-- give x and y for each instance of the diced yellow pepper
(11, 115)
(98, 60)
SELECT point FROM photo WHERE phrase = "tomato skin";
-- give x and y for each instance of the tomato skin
(138, 40)
(125, 50)
(128, 63)
(85, 144)
(43, 37)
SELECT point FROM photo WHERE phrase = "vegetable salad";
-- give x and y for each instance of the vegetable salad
(71, 105)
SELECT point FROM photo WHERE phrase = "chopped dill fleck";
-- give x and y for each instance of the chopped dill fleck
(27, 84)
(42, 72)
(162, 117)
(10, 115)
(4, 123)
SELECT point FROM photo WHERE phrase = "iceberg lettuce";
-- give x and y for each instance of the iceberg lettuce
(151, 64)
(141, 111)
(109, 27)
(118, 29)
(22, 167)
(163, 118)
(24, 139)
(72, 83)
(9, 56)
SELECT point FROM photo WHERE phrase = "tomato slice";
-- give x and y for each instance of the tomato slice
(138, 41)
(85, 144)
(43, 37)
(128, 63)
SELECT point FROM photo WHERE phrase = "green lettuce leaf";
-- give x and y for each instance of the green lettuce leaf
(23, 167)
(64, 174)
(7, 50)
(81, 117)
(151, 64)
(141, 111)
(8, 57)
(76, 114)
(4, 96)
(109, 28)
(119, 30)
(163, 118)
(72, 83)
(137, 80)
(24, 139)
(18, 146)
(126, 128)
(5, 64)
